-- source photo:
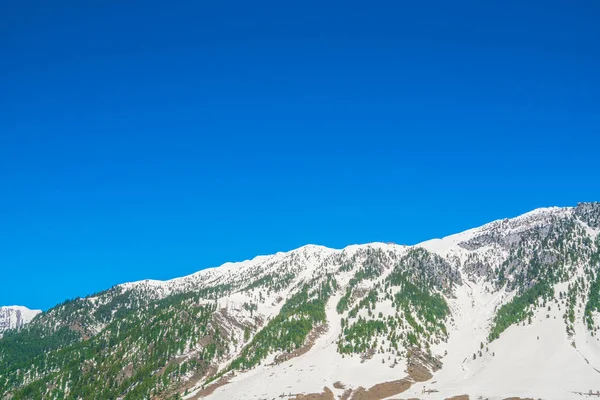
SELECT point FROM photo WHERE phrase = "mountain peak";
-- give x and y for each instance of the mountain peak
(15, 317)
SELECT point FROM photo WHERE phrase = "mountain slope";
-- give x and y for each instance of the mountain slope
(15, 317)
(507, 309)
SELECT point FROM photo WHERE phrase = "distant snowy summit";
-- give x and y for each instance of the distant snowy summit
(12, 317)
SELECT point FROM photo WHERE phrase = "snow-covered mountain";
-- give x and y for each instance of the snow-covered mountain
(509, 309)
(12, 317)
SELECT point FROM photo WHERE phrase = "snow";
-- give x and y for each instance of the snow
(321, 366)
(26, 313)
(522, 364)
(537, 360)
(12, 317)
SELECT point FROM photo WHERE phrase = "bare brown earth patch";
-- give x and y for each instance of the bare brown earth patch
(208, 390)
(518, 398)
(420, 364)
(367, 355)
(126, 373)
(382, 390)
(357, 294)
(193, 381)
(77, 327)
(259, 321)
(418, 370)
(346, 394)
(223, 315)
(326, 395)
(310, 342)
(419, 373)
(459, 397)
(182, 386)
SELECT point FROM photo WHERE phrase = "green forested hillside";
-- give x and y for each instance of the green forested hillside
(131, 358)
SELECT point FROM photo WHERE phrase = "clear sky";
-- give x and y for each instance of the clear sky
(146, 139)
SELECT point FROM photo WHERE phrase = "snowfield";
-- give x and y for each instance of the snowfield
(12, 317)
(529, 360)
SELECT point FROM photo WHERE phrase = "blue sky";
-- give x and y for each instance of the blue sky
(139, 140)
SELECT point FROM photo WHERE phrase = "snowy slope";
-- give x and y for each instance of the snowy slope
(528, 360)
(551, 350)
(532, 361)
(12, 317)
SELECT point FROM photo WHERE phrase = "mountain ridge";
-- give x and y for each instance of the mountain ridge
(533, 213)
(450, 309)
(230, 264)
(428, 244)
